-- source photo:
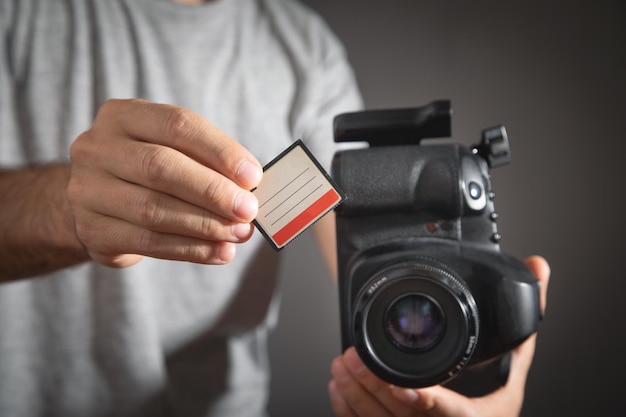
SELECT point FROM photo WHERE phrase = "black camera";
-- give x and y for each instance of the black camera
(425, 291)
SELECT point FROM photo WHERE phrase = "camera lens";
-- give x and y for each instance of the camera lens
(415, 321)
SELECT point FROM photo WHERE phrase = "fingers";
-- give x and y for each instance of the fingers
(540, 268)
(158, 180)
(339, 404)
(185, 131)
(160, 212)
(358, 390)
(167, 170)
(108, 238)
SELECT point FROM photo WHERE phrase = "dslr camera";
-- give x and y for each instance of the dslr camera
(426, 295)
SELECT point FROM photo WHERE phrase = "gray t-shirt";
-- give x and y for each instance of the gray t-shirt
(159, 338)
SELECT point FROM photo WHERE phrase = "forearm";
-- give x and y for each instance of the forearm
(36, 225)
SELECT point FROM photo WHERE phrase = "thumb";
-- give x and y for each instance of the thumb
(438, 401)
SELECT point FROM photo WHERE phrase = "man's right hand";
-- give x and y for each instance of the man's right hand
(161, 181)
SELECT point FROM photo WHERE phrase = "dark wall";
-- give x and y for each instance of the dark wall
(555, 74)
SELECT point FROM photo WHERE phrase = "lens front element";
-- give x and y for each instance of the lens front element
(415, 321)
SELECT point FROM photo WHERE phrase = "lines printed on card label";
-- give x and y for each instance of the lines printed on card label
(287, 188)
(295, 192)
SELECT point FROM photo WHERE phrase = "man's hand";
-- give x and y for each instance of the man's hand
(356, 391)
(161, 181)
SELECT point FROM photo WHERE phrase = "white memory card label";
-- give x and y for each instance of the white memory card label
(294, 193)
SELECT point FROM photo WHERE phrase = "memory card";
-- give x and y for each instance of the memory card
(295, 192)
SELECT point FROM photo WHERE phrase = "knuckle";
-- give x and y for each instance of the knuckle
(195, 251)
(148, 240)
(230, 154)
(179, 123)
(80, 149)
(153, 163)
(114, 104)
(108, 108)
(208, 226)
(377, 387)
(131, 101)
(211, 191)
(217, 192)
(111, 112)
(149, 211)
(201, 253)
(76, 147)
(224, 151)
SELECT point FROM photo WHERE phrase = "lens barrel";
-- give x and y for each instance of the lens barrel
(415, 324)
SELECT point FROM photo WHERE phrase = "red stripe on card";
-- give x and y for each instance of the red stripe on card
(307, 216)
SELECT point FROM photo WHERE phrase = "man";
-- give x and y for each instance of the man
(127, 286)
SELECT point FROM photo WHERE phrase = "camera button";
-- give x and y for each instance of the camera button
(473, 185)
(475, 190)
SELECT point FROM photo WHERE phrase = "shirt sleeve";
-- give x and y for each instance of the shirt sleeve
(327, 87)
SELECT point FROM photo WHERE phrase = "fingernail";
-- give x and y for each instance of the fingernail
(242, 231)
(406, 395)
(353, 361)
(246, 206)
(249, 174)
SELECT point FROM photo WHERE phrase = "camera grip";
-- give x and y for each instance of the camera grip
(400, 179)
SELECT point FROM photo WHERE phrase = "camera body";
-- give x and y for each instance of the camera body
(425, 291)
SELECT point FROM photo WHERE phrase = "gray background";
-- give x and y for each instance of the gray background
(554, 74)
